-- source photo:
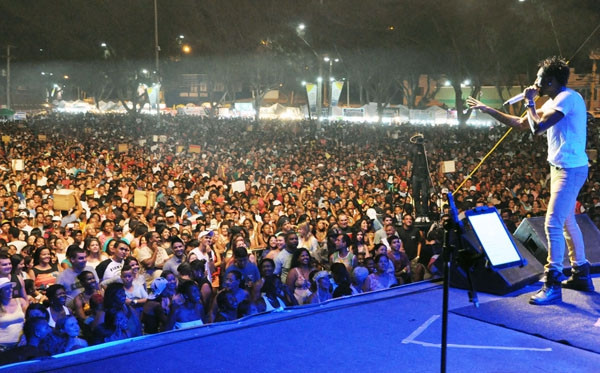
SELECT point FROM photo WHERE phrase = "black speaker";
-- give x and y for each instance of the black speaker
(532, 235)
(487, 280)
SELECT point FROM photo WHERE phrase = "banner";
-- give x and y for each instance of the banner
(336, 90)
(154, 95)
(311, 92)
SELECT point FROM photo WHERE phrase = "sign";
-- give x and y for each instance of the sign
(391, 112)
(238, 186)
(447, 167)
(354, 112)
(194, 149)
(143, 198)
(18, 164)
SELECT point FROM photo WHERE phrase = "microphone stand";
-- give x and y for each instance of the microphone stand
(453, 251)
(450, 229)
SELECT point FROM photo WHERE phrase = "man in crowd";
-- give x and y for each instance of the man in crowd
(68, 277)
(283, 260)
(111, 267)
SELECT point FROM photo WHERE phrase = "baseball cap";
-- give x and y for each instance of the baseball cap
(169, 214)
(206, 233)
(157, 287)
(6, 282)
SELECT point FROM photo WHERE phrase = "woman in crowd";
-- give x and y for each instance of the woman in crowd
(164, 246)
(12, 315)
(139, 277)
(43, 273)
(280, 245)
(265, 234)
(116, 326)
(233, 282)
(17, 276)
(36, 310)
(297, 279)
(114, 303)
(271, 249)
(307, 240)
(108, 245)
(250, 225)
(156, 309)
(381, 279)
(57, 298)
(226, 306)
(275, 295)
(359, 245)
(94, 255)
(322, 285)
(172, 283)
(81, 303)
(65, 337)
(199, 276)
(343, 283)
(190, 313)
(221, 240)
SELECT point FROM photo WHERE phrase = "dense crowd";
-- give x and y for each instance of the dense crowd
(187, 221)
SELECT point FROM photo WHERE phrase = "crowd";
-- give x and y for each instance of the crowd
(236, 218)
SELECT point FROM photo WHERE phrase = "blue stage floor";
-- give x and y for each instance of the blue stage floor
(397, 330)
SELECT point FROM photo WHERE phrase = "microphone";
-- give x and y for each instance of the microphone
(515, 99)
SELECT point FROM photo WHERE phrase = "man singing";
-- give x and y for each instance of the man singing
(563, 117)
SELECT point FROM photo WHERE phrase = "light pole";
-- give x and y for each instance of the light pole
(8, 76)
(330, 93)
(301, 31)
(156, 51)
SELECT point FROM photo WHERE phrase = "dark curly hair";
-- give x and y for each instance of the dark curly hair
(555, 67)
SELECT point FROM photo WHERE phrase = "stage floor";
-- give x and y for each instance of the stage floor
(393, 330)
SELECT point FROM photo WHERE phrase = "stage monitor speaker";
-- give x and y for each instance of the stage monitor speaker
(501, 281)
(532, 235)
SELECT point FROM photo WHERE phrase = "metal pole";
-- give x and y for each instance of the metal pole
(330, 96)
(320, 91)
(347, 92)
(156, 50)
(8, 103)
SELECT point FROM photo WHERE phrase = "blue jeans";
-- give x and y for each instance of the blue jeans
(560, 225)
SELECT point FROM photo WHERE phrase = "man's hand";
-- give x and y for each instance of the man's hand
(531, 92)
(476, 104)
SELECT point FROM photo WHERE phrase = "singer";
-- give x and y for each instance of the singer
(563, 117)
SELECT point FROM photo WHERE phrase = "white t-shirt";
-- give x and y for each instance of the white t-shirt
(567, 138)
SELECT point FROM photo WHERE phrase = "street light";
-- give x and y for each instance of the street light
(331, 79)
(300, 32)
